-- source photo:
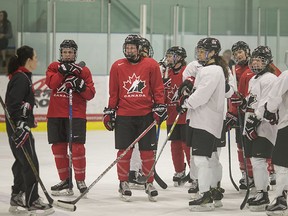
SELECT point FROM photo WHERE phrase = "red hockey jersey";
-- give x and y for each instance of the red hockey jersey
(58, 105)
(134, 88)
(172, 97)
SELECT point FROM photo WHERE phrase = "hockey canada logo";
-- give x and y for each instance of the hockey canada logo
(172, 95)
(134, 85)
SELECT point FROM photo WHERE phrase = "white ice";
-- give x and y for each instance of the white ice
(103, 198)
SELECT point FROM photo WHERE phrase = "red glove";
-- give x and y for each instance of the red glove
(186, 87)
(109, 118)
(179, 107)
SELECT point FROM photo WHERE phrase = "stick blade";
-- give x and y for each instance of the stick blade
(64, 205)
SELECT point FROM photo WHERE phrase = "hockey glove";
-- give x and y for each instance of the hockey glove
(167, 83)
(69, 68)
(75, 83)
(230, 121)
(251, 126)
(21, 134)
(237, 100)
(109, 118)
(179, 107)
(186, 87)
(160, 113)
(273, 118)
(26, 109)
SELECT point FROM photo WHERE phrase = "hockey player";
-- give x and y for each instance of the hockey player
(190, 73)
(175, 59)
(146, 50)
(276, 110)
(61, 76)
(260, 136)
(241, 53)
(20, 102)
(137, 97)
(205, 114)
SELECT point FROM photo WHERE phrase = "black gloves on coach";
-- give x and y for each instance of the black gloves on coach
(179, 107)
(21, 133)
(109, 118)
(186, 87)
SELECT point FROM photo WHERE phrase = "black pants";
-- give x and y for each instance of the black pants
(24, 178)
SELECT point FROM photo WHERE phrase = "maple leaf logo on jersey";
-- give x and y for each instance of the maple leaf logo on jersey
(172, 95)
(134, 84)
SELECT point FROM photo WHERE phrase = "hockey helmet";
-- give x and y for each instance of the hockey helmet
(68, 44)
(263, 55)
(136, 40)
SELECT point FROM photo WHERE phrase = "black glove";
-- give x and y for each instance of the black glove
(230, 120)
(69, 69)
(26, 109)
(186, 87)
(75, 83)
(273, 118)
(109, 118)
(21, 133)
(251, 126)
(160, 113)
(237, 100)
(179, 107)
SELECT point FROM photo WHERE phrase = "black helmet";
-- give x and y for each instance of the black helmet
(264, 53)
(68, 44)
(241, 45)
(146, 48)
(209, 44)
(177, 50)
(132, 39)
(179, 55)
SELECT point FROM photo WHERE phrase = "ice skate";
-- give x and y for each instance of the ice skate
(82, 187)
(194, 189)
(259, 202)
(133, 180)
(39, 208)
(217, 196)
(278, 206)
(17, 204)
(179, 179)
(243, 183)
(124, 191)
(62, 189)
(203, 203)
(151, 191)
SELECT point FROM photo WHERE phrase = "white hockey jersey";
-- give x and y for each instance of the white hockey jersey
(206, 103)
(258, 91)
(278, 99)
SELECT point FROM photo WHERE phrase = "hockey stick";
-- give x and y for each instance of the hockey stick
(70, 137)
(110, 166)
(243, 144)
(157, 178)
(52, 202)
(143, 179)
(242, 140)
(229, 158)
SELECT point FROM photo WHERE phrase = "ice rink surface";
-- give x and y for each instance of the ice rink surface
(103, 198)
